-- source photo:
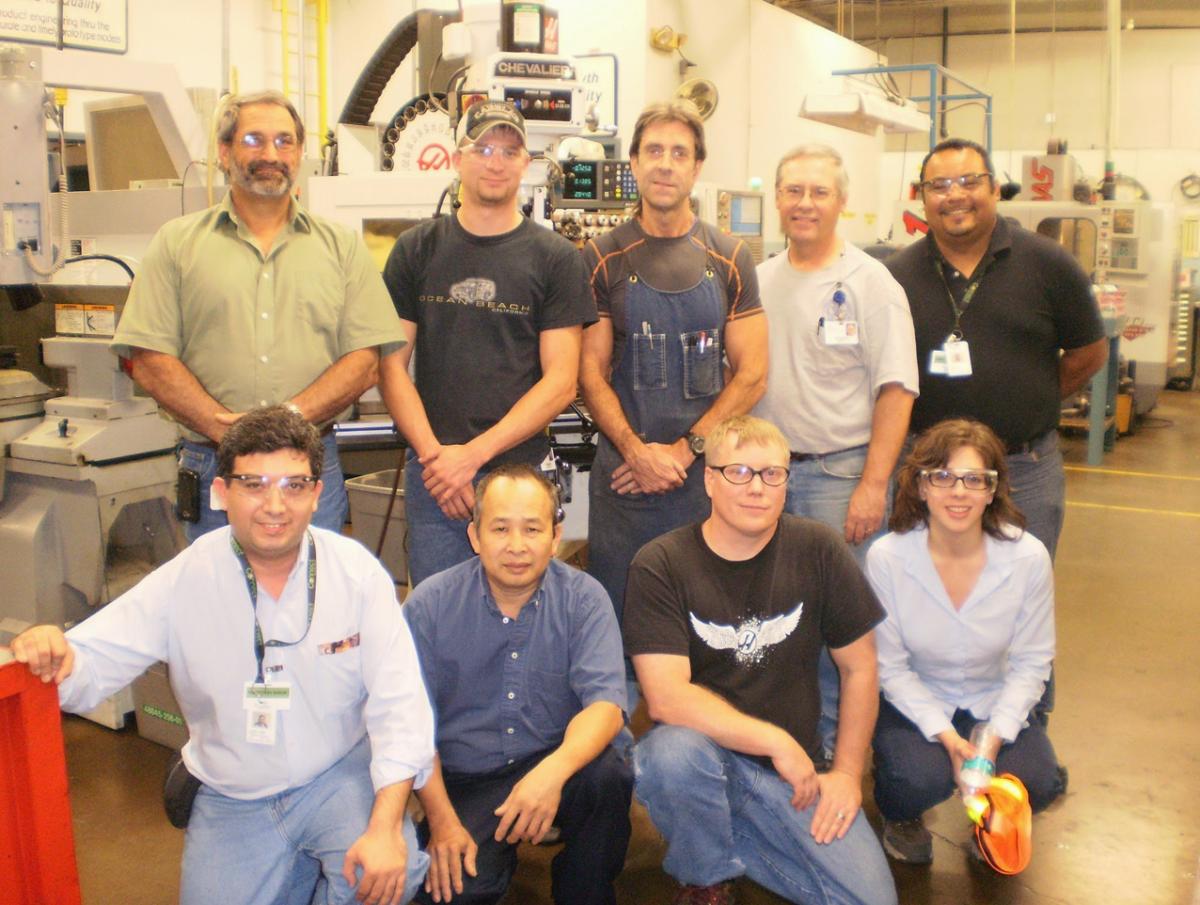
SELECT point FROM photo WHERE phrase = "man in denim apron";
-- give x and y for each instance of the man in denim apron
(679, 346)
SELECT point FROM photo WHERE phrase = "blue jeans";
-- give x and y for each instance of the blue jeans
(912, 774)
(724, 816)
(279, 850)
(435, 541)
(593, 815)
(820, 489)
(1039, 488)
(332, 508)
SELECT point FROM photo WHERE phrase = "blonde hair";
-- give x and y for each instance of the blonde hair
(747, 431)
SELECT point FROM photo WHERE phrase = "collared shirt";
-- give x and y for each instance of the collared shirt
(195, 614)
(256, 329)
(823, 397)
(1033, 300)
(502, 688)
(991, 656)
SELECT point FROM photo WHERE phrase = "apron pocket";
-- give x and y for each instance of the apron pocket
(701, 363)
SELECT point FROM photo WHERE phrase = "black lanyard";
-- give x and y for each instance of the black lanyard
(968, 294)
(260, 646)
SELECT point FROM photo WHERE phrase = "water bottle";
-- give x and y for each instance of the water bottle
(977, 772)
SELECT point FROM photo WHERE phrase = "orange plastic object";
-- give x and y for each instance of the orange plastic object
(1004, 829)
(37, 845)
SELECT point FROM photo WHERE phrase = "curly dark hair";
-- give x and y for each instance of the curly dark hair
(933, 450)
(267, 430)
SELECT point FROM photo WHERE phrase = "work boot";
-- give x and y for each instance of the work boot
(908, 841)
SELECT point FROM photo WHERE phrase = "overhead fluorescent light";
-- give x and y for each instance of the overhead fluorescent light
(864, 112)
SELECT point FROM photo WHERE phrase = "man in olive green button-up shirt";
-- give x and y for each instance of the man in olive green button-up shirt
(256, 302)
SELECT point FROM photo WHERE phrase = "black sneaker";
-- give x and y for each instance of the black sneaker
(907, 841)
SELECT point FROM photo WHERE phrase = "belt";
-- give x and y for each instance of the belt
(1020, 449)
(212, 444)
(808, 457)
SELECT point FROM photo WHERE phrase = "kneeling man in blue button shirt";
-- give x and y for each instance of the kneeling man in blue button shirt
(522, 658)
(287, 650)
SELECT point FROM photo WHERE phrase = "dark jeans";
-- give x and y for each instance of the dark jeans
(593, 817)
(912, 775)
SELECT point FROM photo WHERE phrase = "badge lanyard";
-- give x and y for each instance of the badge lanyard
(968, 294)
(260, 646)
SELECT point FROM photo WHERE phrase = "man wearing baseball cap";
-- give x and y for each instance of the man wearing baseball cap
(495, 307)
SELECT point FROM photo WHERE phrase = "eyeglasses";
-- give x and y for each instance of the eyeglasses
(967, 181)
(508, 153)
(256, 141)
(293, 486)
(772, 475)
(796, 192)
(679, 154)
(978, 479)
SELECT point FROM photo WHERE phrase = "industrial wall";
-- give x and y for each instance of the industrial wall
(1057, 89)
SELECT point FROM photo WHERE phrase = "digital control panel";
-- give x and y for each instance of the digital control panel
(541, 104)
(596, 184)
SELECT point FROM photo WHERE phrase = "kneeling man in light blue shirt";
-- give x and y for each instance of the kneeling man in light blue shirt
(296, 674)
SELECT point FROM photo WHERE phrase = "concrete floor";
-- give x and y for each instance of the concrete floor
(1127, 723)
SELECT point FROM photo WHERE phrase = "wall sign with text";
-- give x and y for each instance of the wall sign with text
(86, 24)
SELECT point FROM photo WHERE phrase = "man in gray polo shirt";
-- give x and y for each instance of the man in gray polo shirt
(255, 302)
(843, 367)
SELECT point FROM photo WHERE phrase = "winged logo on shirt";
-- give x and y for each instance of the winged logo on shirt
(750, 638)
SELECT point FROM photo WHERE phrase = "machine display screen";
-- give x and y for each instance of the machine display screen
(581, 180)
(745, 215)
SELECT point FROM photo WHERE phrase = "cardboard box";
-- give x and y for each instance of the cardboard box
(369, 495)
(155, 709)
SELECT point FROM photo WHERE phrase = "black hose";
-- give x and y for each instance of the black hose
(100, 257)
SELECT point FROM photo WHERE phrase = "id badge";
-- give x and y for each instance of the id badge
(263, 704)
(262, 724)
(276, 695)
(937, 362)
(840, 333)
(958, 359)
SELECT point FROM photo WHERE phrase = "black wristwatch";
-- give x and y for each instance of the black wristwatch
(695, 443)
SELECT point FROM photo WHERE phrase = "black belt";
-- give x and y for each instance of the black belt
(1020, 449)
(808, 457)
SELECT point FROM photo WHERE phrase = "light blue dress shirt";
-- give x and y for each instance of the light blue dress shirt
(992, 656)
(195, 613)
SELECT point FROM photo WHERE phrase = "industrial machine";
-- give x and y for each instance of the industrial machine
(89, 477)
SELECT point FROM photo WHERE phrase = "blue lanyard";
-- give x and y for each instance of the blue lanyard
(260, 646)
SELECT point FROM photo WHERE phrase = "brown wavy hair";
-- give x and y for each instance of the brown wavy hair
(933, 450)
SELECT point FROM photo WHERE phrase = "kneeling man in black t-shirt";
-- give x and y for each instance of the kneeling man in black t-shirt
(724, 621)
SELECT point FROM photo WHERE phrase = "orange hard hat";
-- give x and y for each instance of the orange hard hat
(1003, 824)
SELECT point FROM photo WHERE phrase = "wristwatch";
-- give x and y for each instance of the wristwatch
(695, 443)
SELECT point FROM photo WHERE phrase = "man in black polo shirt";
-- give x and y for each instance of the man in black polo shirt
(993, 304)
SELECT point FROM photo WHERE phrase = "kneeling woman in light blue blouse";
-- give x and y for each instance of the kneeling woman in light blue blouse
(969, 634)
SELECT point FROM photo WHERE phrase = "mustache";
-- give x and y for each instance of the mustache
(262, 167)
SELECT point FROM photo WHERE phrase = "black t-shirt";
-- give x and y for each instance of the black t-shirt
(480, 303)
(752, 630)
(1033, 300)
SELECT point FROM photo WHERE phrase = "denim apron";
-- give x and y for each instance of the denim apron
(668, 376)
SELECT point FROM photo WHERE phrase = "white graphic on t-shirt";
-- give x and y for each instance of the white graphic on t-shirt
(751, 637)
(473, 291)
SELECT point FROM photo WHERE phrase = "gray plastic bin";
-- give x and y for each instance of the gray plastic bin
(368, 505)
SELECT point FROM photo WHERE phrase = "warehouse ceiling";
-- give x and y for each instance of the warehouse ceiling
(866, 21)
